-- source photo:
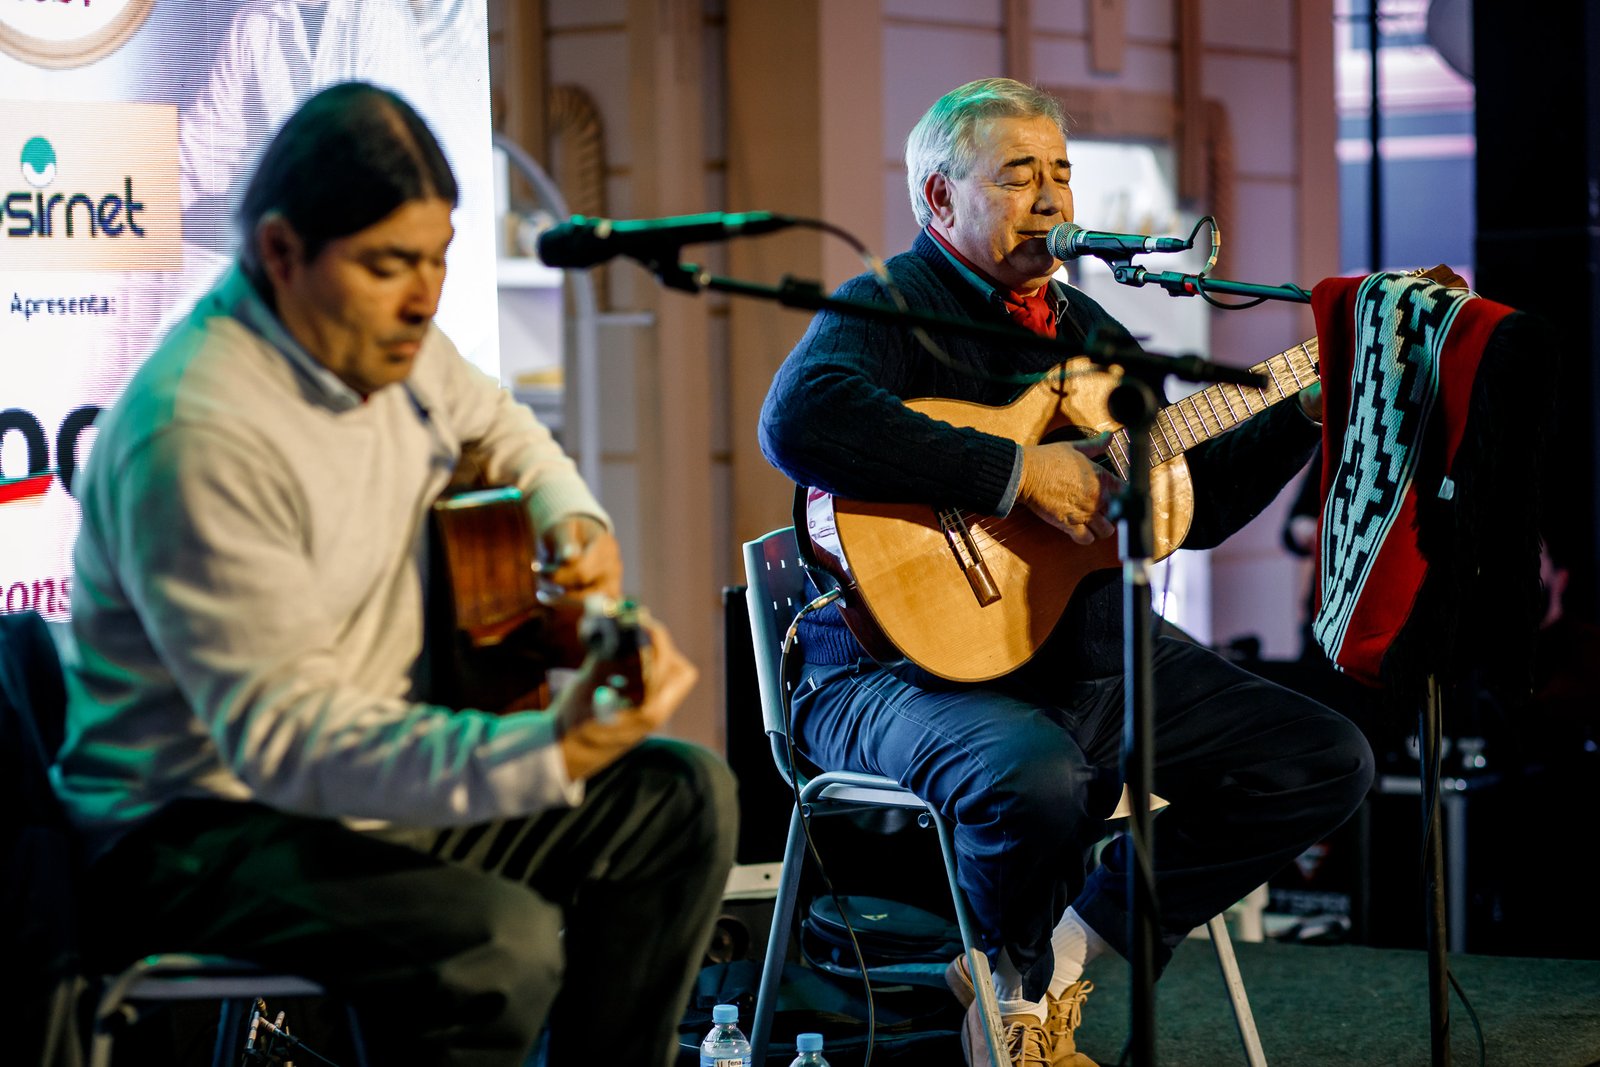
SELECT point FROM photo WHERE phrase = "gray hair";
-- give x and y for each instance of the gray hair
(941, 141)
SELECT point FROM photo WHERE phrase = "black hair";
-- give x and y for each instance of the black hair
(348, 157)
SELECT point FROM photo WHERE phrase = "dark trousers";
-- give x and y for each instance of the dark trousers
(1027, 768)
(464, 942)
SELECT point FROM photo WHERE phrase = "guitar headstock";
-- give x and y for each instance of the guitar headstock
(613, 631)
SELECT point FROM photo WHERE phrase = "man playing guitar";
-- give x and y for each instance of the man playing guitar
(248, 759)
(1026, 762)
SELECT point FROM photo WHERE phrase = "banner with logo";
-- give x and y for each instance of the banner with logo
(127, 128)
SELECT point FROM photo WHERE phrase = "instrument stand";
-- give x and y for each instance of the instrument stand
(1430, 719)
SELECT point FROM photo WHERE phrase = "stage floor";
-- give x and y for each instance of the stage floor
(1319, 1005)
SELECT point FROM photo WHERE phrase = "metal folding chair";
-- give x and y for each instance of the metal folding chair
(775, 593)
(32, 652)
(235, 984)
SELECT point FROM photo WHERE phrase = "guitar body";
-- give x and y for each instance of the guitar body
(490, 641)
(493, 635)
(974, 603)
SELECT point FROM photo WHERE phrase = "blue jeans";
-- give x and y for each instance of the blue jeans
(1027, 769)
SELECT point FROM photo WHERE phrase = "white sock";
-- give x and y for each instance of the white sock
(1073, 943)
(1008, 990)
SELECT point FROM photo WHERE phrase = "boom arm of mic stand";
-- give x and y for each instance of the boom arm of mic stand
(1124, 272)
(808, 296)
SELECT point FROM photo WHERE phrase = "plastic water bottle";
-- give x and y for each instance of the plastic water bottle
(810, 1048)
(725, 1045)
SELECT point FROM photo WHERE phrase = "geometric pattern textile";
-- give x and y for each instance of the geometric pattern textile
(1399, 354)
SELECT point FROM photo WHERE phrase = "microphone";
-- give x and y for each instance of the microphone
(584, 242)
(1068, 240)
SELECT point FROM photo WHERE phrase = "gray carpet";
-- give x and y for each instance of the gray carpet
(1321, 1005)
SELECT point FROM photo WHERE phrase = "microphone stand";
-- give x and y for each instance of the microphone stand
(1430, 717)
(808, 295)
(1138, 669)
(1177, 284)
(1134, 403)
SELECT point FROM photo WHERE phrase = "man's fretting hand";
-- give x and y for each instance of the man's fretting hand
(1063, 485)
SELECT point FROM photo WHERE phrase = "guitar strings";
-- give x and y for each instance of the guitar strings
(990, 530)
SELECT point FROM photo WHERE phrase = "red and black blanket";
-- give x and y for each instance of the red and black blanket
(1427, 548)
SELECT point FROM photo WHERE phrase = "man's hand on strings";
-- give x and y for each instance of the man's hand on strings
(581, 556)
(1063, 485)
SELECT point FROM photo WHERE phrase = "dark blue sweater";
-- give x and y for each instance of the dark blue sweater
(834, 419)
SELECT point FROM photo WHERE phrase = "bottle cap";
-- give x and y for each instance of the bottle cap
(808, 1043)
(723, 1014)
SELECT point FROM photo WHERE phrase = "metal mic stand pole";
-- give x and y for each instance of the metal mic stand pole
(1134, 404)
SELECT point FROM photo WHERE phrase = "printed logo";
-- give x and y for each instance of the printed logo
(69, 440)
(98, 188)
(38, 162)
(68, 33)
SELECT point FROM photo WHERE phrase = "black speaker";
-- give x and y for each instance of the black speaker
(1537, 83)
(741, 932)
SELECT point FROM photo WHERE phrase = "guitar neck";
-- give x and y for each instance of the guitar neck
(1219, 408)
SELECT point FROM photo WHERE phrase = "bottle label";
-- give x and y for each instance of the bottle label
(724, 1061)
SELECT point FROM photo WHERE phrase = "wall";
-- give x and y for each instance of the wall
(653, 71)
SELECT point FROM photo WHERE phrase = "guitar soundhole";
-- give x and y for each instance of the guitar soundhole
(1069, 433)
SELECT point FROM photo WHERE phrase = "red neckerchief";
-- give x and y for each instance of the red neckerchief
(1032, 311)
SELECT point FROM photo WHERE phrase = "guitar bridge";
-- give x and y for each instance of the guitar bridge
(959, 535)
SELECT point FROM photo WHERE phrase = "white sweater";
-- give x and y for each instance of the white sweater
(247, 602)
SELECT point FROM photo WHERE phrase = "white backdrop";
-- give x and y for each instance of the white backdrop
(126, 127)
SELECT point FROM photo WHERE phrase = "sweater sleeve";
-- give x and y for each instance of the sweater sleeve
(834, 419)
(228, 600)
(511, 444)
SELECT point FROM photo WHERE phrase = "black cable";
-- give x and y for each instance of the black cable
(789, 639)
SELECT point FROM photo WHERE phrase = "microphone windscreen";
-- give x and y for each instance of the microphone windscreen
(572, 244)
(1058, 242)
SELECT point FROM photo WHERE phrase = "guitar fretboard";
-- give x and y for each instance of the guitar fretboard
(1219, 408)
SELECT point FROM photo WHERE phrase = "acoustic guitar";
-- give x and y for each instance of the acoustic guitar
(969, 597)
(495, 631)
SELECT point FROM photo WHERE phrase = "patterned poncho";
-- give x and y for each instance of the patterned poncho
(1428, 535)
